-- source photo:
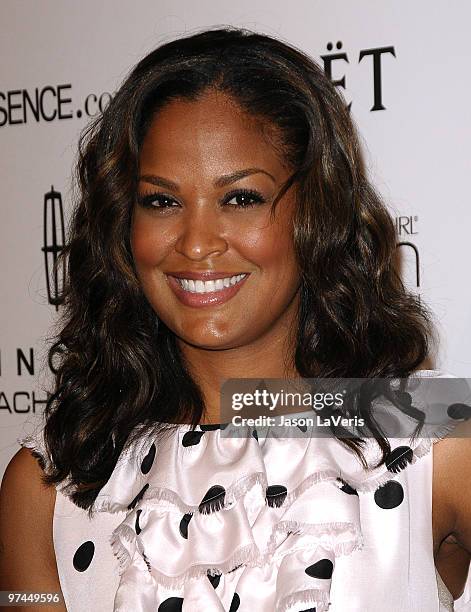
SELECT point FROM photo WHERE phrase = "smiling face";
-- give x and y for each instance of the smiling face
(208, 176)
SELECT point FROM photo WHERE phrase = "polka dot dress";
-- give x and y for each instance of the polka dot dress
(195, 520)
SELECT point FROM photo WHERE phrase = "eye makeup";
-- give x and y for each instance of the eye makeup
(245, 198)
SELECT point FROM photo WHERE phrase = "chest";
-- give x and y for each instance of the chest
(394, 570)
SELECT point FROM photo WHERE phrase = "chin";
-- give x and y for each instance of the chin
(209, 343)
(204, 332)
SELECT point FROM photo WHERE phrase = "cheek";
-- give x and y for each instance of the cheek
(270, 246)
(147, 245)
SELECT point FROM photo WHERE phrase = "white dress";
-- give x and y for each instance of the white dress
(197, 521)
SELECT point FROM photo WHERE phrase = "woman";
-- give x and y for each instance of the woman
(226, 229)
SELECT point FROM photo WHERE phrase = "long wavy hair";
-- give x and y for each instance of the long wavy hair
(118, 369)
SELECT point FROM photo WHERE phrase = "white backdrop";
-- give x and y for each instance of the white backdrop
(60, 59)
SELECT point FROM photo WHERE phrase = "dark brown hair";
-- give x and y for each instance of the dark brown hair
(118, 368)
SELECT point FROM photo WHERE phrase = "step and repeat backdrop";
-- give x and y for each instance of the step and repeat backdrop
(403, 68)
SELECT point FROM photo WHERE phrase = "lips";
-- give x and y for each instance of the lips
(212, 298)
(204, 275)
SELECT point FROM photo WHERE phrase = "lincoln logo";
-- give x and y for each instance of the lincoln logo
(53, 244)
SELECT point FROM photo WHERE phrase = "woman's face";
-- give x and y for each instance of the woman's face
(207, 178)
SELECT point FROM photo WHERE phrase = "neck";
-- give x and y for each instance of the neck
(269, 356)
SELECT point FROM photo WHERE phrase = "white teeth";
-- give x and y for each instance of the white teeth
(211, 286)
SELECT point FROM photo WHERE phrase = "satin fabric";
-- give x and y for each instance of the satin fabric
(200, 521)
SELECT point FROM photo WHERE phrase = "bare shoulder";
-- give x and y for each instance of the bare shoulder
(27, 559)
(22, 478)
(451, 508)
(452, 478)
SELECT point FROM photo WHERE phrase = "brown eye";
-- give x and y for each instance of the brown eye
(244, 198)
(156, 200)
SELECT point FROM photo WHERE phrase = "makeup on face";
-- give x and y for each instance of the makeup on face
(212, 261)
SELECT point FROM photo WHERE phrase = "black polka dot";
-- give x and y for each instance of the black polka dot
(235, 603)
(138, 496)
(148, 460)
(172, 604)
(255, 434)
(303, 428)
(214, 580)
(322, 569)
(191, 438)
(138, 529)
(83, 556)
(389, 495)
(308, 610)
(275, 495)
(346, 488)
(399, 458)
(210, 427)
(213, 500)
(184, 525)
(459, 411)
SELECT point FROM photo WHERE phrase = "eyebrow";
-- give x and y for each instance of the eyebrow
(222, 181)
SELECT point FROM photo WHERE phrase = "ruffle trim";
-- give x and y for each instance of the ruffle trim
(422, 449)
(327, 534)
(310, 597)
(162, 496)
(35, 442)
(327, 537)
(268, 542)
(32, 441)
(156, 495)
(341, 538)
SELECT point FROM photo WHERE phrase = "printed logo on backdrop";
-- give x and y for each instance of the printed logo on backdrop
(54, 240)
(25, 401)
(376, 56)
(56, 102)
(407, 252)
(48, 103)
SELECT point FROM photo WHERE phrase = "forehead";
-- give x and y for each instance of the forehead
(213, 129)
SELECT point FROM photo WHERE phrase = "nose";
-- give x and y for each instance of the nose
(201, 235)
